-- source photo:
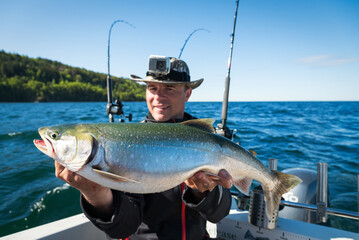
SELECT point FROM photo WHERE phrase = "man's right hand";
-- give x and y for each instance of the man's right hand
(96, 195)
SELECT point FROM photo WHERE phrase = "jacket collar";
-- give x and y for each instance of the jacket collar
(186, 117)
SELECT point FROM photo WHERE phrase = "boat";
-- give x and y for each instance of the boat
(239, 224)
(299, 219)
(303, 213)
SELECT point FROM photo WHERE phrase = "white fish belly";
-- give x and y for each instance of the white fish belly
(153, 168)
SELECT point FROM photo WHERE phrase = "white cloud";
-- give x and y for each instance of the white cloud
(325, 60)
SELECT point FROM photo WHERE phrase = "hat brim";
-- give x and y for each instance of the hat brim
(191, 84)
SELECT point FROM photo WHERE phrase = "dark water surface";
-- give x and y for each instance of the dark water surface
(298, 134)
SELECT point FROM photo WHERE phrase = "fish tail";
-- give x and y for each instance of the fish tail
(284, 182)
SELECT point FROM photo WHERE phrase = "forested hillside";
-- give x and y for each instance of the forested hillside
(24, 79)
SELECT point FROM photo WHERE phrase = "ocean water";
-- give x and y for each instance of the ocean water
(298, 134)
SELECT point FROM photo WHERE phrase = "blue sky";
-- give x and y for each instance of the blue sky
(283, 51)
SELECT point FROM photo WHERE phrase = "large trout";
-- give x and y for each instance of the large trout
(148, 158)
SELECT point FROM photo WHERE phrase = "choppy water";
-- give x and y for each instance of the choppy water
(298, 134)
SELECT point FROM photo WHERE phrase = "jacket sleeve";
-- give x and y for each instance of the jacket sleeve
(213, 207)
(127, 215)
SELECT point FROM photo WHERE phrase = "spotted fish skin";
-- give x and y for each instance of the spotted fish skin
(149, 158)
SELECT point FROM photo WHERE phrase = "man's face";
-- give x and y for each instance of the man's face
(166, 101)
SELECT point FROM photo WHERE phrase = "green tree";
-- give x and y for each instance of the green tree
(27, 79)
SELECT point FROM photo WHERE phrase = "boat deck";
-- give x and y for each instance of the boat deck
(234, 226)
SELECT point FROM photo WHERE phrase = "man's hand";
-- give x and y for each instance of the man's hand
(96, 195)
(203, 182)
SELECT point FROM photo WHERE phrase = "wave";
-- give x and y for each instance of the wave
(49, 207)
(40, 205)
(18, 135)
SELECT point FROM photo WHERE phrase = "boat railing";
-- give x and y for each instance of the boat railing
(321, 207)
(331, 211)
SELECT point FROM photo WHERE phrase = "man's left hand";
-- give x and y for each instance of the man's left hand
(203, 182)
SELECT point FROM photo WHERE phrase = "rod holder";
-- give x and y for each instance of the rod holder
(257, 213)
(273, 163)
(322, 192)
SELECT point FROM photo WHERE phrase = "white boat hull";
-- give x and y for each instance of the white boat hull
(234, 226)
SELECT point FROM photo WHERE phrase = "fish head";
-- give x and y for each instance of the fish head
(70, 145)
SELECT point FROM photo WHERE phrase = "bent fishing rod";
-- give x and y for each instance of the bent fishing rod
(117, 106)
(184, 45)
(222, 128)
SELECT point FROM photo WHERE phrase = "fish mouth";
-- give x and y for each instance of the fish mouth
(45, 146)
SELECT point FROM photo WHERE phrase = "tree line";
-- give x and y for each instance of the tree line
(24, 79)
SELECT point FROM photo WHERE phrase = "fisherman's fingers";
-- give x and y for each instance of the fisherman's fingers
(59, 170)
(69, 177)
(225, 179)
(208, 181)
(201, 182)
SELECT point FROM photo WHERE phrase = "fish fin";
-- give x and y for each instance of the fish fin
(114, 176)
(243, 184)
(205, 124)
(284, 182)
(213, 176)
(253, 152)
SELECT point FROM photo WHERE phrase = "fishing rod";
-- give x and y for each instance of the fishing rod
(117, 106)
(184, 45)
(222, 128)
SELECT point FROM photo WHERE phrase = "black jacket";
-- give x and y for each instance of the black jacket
(164, 215)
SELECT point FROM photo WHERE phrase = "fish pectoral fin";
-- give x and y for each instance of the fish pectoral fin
(243, 184)
(253, 152)
(114, 176)
(205, 124)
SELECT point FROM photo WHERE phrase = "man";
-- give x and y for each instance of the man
(178, 213)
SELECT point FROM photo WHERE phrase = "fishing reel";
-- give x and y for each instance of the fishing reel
(224, 131)
(117, 108)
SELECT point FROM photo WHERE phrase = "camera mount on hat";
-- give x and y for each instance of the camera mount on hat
(159, 65)
(168, 70)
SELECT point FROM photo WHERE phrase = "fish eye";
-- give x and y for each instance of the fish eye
(54, 135)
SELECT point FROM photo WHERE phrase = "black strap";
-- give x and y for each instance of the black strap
(172, 75)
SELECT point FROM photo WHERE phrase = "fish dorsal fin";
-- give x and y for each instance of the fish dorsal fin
(205, 124)
(114, 176)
